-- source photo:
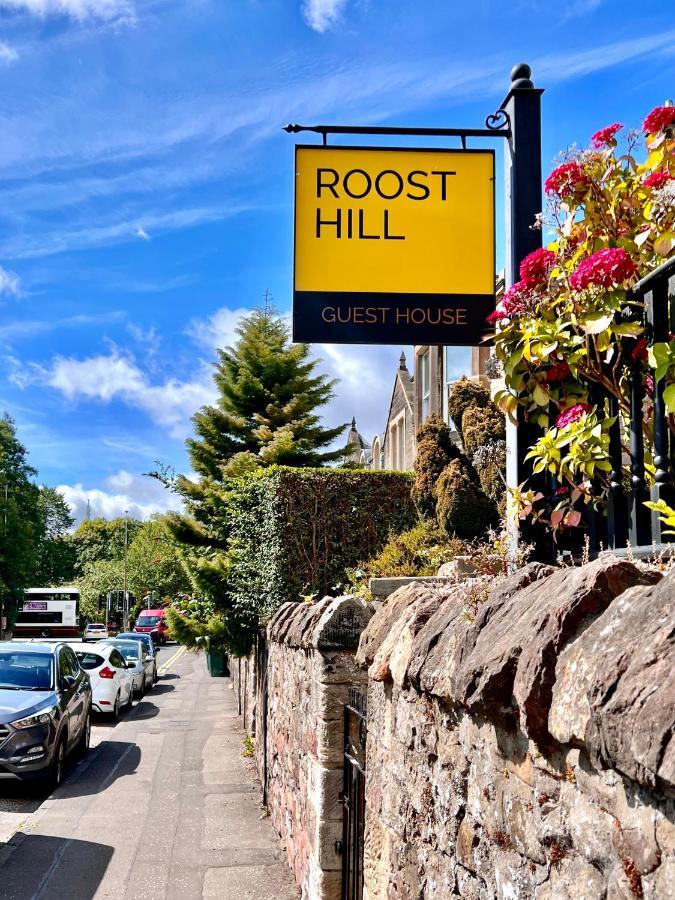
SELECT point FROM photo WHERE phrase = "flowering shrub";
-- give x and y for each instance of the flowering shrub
(571, 324)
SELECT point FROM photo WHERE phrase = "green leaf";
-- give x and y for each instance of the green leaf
(669, 397)
(597, 323)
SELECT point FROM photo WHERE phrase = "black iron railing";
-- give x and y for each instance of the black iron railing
(627, 521)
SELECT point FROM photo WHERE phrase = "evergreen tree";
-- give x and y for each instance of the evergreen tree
(55, 562)
(266, 412)
(20, 519)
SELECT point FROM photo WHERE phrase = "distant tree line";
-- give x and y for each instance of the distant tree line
(38, 547)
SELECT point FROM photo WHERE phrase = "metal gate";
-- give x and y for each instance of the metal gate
(354, 796)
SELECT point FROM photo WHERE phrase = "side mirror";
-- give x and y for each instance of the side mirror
(68, 681)
(131, 665)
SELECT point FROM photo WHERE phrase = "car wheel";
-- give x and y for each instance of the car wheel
(58, 764)
(85, 737)
(130, 697)
(155, 676)
(141, 691)
(116, 709)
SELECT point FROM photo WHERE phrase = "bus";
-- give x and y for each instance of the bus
(49, 612)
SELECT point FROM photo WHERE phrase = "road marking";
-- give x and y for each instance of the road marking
(164, 668)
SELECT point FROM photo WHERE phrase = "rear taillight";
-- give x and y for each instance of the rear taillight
(106, 672)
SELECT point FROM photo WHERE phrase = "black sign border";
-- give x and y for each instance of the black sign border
(402, 336)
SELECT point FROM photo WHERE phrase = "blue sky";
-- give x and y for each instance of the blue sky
(145, 186)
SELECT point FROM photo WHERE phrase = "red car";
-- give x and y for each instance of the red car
(153, 622)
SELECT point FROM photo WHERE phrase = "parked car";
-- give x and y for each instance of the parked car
(95, 631)
(153, 622)
(112, 683)
(147, 640)
(139, 663)
(45, 710)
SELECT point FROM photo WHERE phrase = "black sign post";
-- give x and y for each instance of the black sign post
(523, 203)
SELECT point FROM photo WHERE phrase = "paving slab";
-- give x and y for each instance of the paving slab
(164, 808)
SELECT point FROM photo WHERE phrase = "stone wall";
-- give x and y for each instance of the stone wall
(520, 737)
(310, 669)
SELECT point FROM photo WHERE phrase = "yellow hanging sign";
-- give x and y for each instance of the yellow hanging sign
(393, 245)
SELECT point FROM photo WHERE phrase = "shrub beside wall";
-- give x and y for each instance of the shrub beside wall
(295, 531)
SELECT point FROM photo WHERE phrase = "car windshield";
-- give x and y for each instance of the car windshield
(144, 621)
(25, 671)
(129, 651)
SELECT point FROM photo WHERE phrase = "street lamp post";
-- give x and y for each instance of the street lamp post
(126, 593)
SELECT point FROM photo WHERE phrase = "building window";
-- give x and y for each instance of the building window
(425, 386)
(448, 378)
(401, 444)
(376, 461)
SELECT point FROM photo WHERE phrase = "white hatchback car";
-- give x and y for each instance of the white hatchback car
(95, 631)
(138, 662)
(112, 684)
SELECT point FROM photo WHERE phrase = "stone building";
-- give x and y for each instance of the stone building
(414, 398)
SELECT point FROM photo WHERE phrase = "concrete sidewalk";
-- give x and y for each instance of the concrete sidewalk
(165, 808)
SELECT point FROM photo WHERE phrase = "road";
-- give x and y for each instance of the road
(164, 807)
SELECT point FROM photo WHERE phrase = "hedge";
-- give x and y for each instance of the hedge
(294, 531)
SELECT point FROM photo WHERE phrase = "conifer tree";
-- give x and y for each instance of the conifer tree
(266, 411)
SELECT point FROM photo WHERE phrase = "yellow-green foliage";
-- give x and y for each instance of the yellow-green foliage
(463, 509)
(480, 425)
(434, 451)
(419, 551)
(465, 393)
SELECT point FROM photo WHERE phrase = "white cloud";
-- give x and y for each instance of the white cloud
(142, 233)
(97, 377)
(114, 376)
(10, 283)
(138, 495)
(321, 15)
(47, 243)
(107, 10)
(7, 53)
(219, 330)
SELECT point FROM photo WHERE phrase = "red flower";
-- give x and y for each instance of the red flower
(639, 351)
(558, 372)
(568, 181)
(573, 414)
(561, 491)
(605, 137)
(537, 265)
(658, 119)
(657, 179)
(520, 298)
(606, 268)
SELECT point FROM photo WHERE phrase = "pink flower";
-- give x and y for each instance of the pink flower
(658, 119)
(558, 372)
(568, 181)
(537, 265)
(605, 136)
(520, 298)
(657, 179)
(573, 414)
(649, 384)
(607, 269)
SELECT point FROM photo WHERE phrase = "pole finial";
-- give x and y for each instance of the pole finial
(402, 362)
(354, 423)
(521, 76)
